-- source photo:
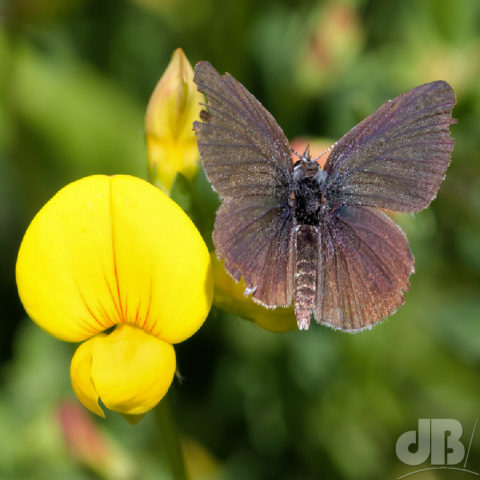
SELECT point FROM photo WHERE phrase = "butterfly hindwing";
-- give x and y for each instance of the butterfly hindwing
(364, 267)
(397, 157)
(258, 243)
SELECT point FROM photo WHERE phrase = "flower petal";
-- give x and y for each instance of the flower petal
(130, 371)
(162, 263)
(81, 376)
(173, 107)
(106, 250)
(65, 270)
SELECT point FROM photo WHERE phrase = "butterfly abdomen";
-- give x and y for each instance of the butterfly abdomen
(305, 274)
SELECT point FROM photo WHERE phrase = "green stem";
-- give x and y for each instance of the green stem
(170, 438)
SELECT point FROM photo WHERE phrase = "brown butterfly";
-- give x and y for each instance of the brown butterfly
(317, 236)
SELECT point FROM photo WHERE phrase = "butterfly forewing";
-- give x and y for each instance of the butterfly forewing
(243, 149)
(397, 157)
(364, 268)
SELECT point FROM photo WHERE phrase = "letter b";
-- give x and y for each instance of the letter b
(450, 430)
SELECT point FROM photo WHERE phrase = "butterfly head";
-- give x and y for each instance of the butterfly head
(308, 165)
(305, 156)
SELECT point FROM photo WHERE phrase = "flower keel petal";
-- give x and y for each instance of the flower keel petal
(131, 369)
(81, 375)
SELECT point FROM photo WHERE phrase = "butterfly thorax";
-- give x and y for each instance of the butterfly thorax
(310, 193)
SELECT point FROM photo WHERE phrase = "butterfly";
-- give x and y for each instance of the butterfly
(319, 237)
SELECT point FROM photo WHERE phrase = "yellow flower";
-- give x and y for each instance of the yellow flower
(116, 252)
(171, 111)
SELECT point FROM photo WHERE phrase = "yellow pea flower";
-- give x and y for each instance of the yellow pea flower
(171, 111)
(116, 252)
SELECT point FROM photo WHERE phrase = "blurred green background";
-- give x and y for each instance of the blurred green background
(75, 78)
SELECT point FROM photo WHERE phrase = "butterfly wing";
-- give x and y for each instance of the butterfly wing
(364, 266)
(258, 242)
(247, 159)
(397, 157)
(244, 151)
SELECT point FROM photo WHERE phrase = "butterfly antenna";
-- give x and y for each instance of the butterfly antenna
(295, 152)
(324, 152)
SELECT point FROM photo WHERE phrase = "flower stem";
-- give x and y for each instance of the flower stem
(171, 439)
